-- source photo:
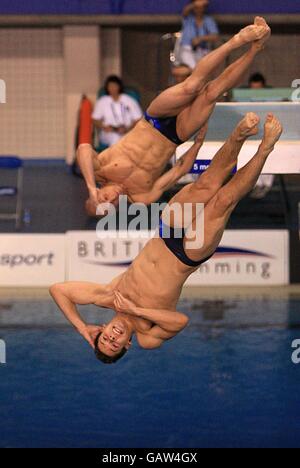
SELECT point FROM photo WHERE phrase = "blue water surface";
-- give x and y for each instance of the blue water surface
(224, 382)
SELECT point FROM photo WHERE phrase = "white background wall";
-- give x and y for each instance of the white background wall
(33, 118)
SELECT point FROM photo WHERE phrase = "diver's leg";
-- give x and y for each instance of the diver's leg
(190, 201)
(225, 160)
(245, 179)
(222, 165)
(220, 207)
(197, 114)
(173, 100)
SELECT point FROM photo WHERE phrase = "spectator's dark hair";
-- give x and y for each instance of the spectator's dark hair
(114, 79)
(103, 357)
(193, 1)
(257, 78)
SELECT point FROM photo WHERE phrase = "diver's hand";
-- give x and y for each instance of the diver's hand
(123, 305)
(93, 197)
(90, 332)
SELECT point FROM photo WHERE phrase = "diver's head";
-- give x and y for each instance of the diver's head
(113, 342)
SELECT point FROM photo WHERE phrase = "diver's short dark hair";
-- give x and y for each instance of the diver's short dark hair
(103, 357)
(257, 78)
(114, 79)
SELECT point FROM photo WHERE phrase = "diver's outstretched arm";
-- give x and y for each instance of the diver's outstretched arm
(85, 157)
(68, 295)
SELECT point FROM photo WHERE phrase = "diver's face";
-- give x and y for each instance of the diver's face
(115, 336)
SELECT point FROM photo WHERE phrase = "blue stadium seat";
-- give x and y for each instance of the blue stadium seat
(13, 163)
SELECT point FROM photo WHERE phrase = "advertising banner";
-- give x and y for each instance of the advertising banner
(243, 258)
(31, 259)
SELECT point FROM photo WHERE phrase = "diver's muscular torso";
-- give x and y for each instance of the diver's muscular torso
(155, 278)
(153, 281)
(136, 161)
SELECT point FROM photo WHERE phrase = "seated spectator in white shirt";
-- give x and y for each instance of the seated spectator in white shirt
(115, 113)
(199, 33)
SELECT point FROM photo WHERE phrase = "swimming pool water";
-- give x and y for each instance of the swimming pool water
(226, 381)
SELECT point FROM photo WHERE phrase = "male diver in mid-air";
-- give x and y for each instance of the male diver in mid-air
(134, 165)
(145, 296)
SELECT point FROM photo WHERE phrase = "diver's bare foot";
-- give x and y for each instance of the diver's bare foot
(261, 22)
(248, 126)
(273, 131)
(251, 33)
